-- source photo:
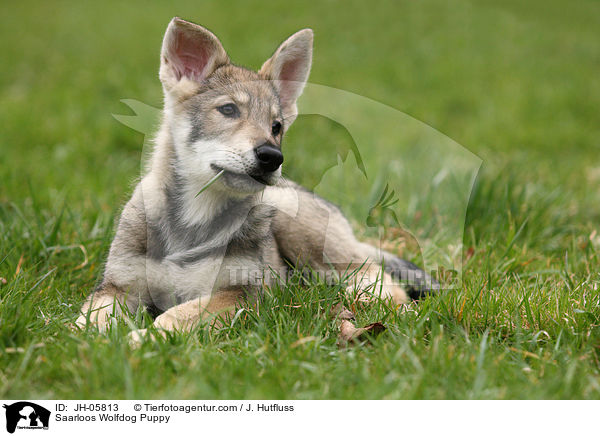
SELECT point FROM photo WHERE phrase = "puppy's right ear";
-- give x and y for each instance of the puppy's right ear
(189, 53)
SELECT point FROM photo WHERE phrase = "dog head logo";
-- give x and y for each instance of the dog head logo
(26, 415)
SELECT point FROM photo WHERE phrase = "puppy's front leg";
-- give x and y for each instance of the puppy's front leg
(320, 236)
(184, 317)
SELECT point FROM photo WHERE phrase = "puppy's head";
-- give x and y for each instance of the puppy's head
(227, 118)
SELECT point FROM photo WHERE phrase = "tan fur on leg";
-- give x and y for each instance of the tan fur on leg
(184, 317)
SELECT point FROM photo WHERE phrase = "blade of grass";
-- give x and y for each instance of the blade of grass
(210, 182)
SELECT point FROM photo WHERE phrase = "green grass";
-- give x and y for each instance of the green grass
(516, 83)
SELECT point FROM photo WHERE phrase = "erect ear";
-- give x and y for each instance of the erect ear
(289, 68)
(189, 51)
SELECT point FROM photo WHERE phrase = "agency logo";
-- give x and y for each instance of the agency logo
(26, 415)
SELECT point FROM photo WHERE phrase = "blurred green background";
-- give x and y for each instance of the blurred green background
(500, 78)
(514, 82)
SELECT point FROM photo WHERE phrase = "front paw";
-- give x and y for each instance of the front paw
(138, 337)
(79, 324)
(102, 323)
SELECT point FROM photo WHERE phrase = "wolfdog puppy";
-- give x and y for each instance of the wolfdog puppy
(213, 202)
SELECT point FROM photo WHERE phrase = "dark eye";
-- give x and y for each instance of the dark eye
(276, 128)
(229, 110)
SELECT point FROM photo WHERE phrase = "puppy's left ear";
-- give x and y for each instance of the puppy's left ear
(289, 68)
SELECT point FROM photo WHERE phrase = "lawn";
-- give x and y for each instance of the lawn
(515, 83)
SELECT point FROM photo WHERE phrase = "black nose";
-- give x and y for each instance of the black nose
(269, 157)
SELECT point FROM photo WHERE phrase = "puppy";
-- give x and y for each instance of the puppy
(213, 221)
